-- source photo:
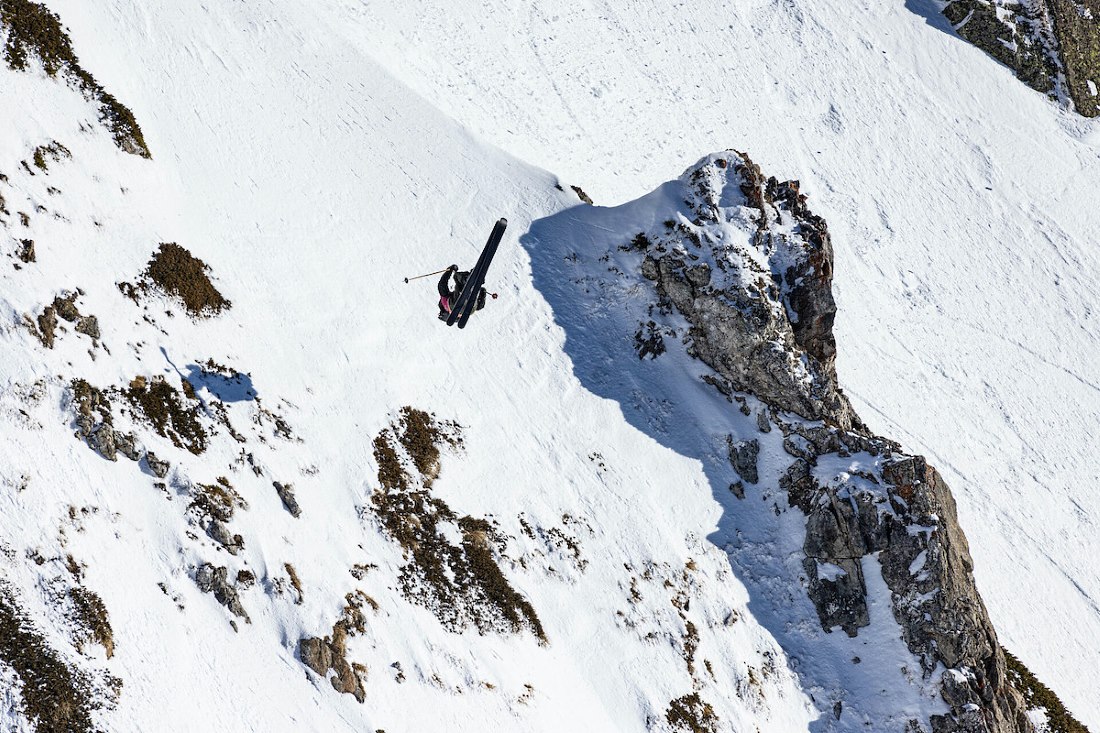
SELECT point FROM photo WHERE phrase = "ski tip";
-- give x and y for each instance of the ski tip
(502, 222)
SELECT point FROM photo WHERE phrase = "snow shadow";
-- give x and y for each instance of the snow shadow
(930, 11)
(226, 385)
(235, 388)
(599, 300)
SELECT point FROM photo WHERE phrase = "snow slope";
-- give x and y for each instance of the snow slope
(312, 181)
(962, 207)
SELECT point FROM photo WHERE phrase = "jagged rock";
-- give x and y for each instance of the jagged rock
(738, 489)
(215, 580)
(769, 333)
(102, 440)
(839, 593)
(286, 495)
(743, 457)
(156, 465)
(89, 326)
(127, 446)
(762, 423)
(799, 447)
(66, 307)
(799, 483)
(26, 250)
(219, 532)
(321, 655)
(1052, 45)
(85, 424)
(315, 654)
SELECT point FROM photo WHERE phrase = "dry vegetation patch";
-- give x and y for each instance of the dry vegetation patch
(179, 274)
(690, 713)
(57, 697)
(171, 414)
(52, 153)
(91, 615)
(462, 584)
(1040, 696)
(35, 32)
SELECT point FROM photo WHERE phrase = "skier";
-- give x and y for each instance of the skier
(447, 296)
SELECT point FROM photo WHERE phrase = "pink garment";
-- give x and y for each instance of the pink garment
(446, 305)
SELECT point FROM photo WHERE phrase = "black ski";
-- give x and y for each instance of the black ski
(467, 299)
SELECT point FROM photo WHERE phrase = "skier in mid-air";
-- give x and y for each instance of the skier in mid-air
(448, 296)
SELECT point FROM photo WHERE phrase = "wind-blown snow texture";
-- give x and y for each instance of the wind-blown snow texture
(312, 181)
(962, 210)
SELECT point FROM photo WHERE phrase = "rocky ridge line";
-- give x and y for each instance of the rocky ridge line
(761, 316)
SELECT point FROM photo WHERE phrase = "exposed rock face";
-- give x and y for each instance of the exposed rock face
(103, 441)
(762, 318)
(126, 444)
(1052, 45)
(286, 495)
(156, 465)
(219, 532)
(321, 655)
(216, 580)
(743, 457)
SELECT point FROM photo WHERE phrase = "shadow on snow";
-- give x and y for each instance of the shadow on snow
(665, 399)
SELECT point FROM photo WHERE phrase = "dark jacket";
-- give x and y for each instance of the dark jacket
(448, 296)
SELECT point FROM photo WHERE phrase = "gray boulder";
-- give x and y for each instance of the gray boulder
(127, 446)
(215, 580)
(743, 456)
(158, 467)
(102, 440)
(89, 326)
(322, 655)
(219, 532)
(286, 495)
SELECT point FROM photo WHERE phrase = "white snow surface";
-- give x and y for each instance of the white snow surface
(963, 212)
(314, 156)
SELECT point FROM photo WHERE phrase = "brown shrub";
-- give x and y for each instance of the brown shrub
(92, 617)
(461, 584)
(57, 697)
(161, 405)
(35, 31)
(217, 501)
(1038, 695)
(52, 153)
(175, 271)
(690, 713)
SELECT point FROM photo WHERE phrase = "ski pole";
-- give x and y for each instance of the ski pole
(437, 272)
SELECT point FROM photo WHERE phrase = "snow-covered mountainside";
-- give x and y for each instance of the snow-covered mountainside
(249, 480)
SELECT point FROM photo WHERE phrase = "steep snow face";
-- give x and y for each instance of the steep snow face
(879, 530)
(310, 183)
(961, 205)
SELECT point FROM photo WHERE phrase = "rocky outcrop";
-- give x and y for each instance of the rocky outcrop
(219, 532)
(761, 316)
(743, 456)
(215, 580)
(1052, 45)
(286, 495)
(322, 655)
(158, 467)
